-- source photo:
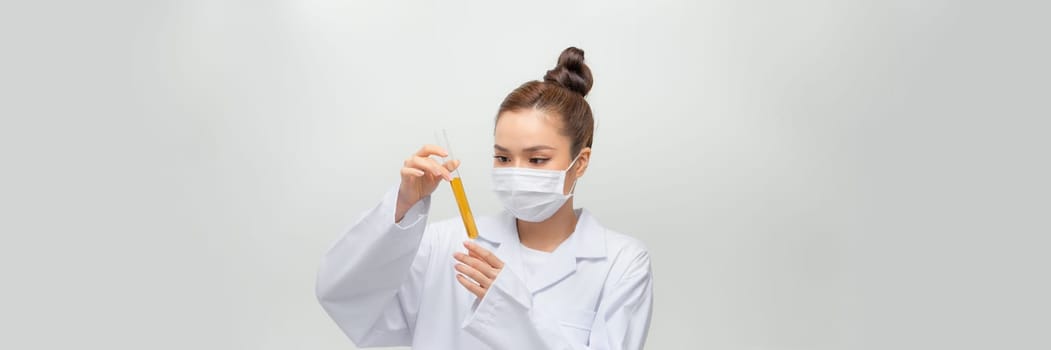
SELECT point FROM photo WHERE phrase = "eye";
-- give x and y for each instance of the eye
(501, 159)
(538, 160)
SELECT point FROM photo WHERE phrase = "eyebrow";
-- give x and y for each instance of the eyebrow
(529, 149)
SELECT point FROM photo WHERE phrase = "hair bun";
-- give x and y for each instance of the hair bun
(571, 72)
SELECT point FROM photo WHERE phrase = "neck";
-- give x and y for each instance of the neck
(548, 234)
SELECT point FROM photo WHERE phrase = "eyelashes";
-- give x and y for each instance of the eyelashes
(503, 159)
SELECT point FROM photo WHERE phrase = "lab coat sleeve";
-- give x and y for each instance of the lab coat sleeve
(369, 282)
(503, 318)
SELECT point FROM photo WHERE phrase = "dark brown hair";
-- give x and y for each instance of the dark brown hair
(561, 94)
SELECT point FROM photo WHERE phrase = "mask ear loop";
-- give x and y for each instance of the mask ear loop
(573, 188)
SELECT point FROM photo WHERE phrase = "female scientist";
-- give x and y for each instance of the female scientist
(541, 275)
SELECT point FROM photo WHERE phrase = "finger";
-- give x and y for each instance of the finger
(428, 150)
(476, 256)
(471, 287)
(452, 165)
(484, 254)
(444, 172)
(430, 166)
(408, 171)
(474, 274)
(479, 265)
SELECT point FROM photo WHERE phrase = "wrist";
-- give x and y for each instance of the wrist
(402, 207)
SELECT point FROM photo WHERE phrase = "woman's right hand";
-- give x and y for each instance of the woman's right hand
(420, 176)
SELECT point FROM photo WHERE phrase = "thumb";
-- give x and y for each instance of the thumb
(452, 165)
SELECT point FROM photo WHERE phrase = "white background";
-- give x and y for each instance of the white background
(807, 175)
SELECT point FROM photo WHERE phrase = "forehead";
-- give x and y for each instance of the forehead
(529, 127)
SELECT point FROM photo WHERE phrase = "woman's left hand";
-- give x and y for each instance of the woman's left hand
(478, 269)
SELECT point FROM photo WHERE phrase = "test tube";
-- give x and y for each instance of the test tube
(458, 192)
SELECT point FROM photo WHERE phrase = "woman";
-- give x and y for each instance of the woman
(541, 275)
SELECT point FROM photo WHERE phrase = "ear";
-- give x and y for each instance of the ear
(583, 162)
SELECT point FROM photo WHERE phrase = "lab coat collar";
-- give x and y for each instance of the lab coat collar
(587, 241)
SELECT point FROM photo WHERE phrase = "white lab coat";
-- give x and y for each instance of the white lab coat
(390, 284)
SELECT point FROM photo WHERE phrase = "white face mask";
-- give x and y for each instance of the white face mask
(532, 194)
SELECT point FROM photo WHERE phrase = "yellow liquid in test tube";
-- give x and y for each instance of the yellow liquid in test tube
(465, 209)
(458, 192)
